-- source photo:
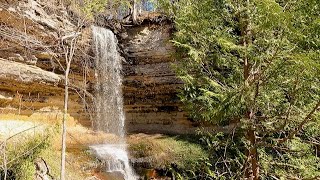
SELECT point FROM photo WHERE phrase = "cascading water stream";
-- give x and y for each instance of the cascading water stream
(109, 103)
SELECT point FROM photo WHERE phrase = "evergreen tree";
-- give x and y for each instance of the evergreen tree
(254, 65)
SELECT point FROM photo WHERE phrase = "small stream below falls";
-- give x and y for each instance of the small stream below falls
(109, 104)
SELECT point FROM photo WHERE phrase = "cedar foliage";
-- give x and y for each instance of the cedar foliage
(92, 7)
(253, 64)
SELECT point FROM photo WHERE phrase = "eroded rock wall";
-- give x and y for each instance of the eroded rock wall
(150, 85)
(30, 52)
(31, 77)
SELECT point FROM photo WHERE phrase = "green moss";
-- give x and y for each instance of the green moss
(182, 153)
(168, 151)
(142, 149)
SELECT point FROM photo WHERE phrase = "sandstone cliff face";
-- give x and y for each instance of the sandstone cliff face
(150, 85)
(31, 77)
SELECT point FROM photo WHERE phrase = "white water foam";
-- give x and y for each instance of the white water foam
(115, 159)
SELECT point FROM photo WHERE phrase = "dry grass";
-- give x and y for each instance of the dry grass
(50, 118)
(79, 163)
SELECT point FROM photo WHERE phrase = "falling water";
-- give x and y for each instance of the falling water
(109, 103)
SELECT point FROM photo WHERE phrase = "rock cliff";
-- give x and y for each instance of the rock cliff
(150, 85)
(31, 76)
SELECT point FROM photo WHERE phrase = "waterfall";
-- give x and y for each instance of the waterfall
(109, 103)
(110, 117)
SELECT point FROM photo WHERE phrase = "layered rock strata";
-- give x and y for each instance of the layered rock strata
(31, 58)
(150, 85)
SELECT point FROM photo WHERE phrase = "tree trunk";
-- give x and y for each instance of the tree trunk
(252, 164)
(134, 12)
(64, 127)
(253, 171)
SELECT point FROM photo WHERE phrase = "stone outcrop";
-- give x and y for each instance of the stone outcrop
(42, 170)
(15, 71)
(150, 85)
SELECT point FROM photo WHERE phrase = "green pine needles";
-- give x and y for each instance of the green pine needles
(254, 65)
